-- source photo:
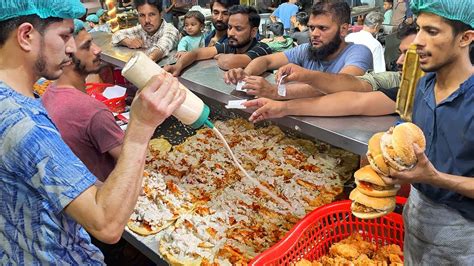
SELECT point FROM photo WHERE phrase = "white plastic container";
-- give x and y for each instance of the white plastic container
(193, 112)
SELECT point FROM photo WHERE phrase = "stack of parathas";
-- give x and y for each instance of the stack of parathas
(393, 149)
(207, 213)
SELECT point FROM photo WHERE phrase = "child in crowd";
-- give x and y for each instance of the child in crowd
(279, 42)
(387, 7)
(193, 26)
(299, 32)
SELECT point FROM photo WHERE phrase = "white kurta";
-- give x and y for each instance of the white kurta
(367, 39)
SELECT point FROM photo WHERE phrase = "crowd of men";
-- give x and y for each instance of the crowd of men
(69, 173)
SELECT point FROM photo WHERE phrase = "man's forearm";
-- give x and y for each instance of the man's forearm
(257, 66)
(156, 54)
(319, 106)
(186, 60)
(300, 90)
(331, 83)
(460, 184)
(237, 61)
(119, 193)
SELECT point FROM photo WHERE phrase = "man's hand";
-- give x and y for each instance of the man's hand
(174, 70)
(234, 75)
(423, 172)
(266, 109)
(294, 73)
(259, 86)
(157, 101)
(133, 43)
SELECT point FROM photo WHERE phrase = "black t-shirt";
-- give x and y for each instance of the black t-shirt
(391, 93)
(255, 49)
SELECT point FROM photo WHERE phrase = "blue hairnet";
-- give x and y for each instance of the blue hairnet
(461, 10)
(100, 12)
(43, 8)
(92, 18)
(78, 26)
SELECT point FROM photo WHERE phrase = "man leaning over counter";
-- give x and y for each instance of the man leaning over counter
(47, 196)
(439, 214)
(328, 52)
(241, 47)
(354, 98)
(154, 33)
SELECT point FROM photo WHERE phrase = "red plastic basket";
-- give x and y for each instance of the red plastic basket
(116, 105)
(312, 237)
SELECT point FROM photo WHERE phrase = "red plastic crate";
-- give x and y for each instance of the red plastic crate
(116, 105)
(312, 237)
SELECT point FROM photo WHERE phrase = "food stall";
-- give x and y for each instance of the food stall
(205, 79)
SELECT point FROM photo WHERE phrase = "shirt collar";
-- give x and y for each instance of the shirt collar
(430, 95)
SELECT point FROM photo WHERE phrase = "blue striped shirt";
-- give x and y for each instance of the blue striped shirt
(39, 177)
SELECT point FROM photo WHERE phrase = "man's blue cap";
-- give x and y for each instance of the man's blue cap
(78, 26)
(100, 12)
(67, 9)
(92, 18)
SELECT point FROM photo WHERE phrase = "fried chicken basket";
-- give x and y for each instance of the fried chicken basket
(312, 237)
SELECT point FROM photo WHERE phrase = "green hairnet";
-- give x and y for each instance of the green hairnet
(92, 18)
(461, 10)
(78, 26)
(100, 12)
(43, 8)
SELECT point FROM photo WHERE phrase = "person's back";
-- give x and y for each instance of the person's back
(285, 11)
(87, 127)
(300, 32)
(372, 23)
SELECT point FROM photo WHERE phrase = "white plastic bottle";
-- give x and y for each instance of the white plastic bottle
(193, 112)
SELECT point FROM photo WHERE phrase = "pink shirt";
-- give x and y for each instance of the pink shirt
(87, 127)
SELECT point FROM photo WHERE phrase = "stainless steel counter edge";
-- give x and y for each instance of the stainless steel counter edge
(205, 78)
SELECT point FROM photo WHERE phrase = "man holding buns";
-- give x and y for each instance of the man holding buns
(439, 215)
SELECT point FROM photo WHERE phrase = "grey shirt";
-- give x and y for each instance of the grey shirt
(300, 36)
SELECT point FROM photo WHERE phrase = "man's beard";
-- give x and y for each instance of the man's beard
(41, 66)
(325, 50)
(220, 26)
(238, 45)
(81, 68)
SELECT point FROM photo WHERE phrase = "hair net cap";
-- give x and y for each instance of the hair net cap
(100, 12)
(43, 8)
(461, 10)
(78, 26)
(92, 18)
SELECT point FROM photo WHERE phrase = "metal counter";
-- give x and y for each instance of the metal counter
(204, 77)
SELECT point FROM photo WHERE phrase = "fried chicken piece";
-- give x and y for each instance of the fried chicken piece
(352, 247)
(304, 262)
(389, 253)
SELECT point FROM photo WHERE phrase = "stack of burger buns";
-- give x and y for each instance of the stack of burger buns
(387, 151)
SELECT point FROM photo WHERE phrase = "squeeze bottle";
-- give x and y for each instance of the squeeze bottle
(192, 112)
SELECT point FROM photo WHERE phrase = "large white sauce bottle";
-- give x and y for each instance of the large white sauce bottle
(193, 112)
